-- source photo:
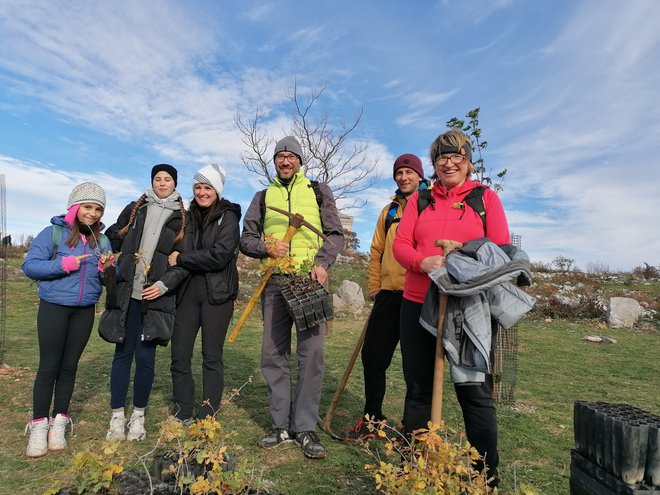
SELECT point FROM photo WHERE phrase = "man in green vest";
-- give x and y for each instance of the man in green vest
(293, 418)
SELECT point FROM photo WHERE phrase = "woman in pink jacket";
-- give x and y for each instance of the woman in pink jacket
(446, 217)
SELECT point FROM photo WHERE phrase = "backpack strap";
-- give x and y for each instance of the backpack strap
(424, 199)
(391, 213)
(314, 184)
(57, 233)
(104, 244)
(475, 200)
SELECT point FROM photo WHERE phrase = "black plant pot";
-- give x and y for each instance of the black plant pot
(652, 471)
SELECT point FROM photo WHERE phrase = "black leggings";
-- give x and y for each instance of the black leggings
(63, 333)
(475, 399)
(194, 311)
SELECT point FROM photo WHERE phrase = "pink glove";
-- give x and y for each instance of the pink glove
(70, 264)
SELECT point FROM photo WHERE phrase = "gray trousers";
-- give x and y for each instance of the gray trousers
(300, 412)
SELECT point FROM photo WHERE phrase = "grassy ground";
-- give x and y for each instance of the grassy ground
(555, 368)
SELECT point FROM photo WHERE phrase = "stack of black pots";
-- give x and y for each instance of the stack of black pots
(616, 442)
(308, 302)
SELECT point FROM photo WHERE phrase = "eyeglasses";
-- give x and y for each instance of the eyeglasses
(280, 157)
(455, 159)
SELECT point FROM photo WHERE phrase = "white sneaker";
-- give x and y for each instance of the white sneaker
(136, 431)
(38, 443)
(56, 434)
(117, 430)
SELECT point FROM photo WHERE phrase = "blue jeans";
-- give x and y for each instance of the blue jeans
(145, 359)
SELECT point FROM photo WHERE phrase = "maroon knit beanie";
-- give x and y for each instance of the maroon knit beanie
(410, 161)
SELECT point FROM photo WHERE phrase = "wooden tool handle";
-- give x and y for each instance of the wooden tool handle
(257, 293)
(347, 373)
(439, 370)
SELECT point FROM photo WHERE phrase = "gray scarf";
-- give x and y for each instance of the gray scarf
(158, 213)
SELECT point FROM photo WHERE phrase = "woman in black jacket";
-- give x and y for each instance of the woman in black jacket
(206, 298)
(140, 315)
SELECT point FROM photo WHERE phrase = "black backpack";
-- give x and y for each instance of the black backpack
(474, 199)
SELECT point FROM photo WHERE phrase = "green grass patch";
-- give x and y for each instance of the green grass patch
(555, 367)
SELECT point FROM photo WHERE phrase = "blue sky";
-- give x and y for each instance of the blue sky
(569, 93)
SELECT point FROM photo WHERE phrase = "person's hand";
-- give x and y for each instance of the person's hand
(171, 259)
(150, 293)
(319, 273)
(72, 263)
(372, 295)
(432, 263)
(277, 249)
(108, 259)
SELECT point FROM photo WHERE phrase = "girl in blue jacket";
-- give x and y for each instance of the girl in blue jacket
(67, 262)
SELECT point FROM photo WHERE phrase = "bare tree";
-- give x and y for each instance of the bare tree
(330, 156)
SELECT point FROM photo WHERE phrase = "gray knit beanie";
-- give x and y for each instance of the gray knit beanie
(291, 144)
(87, 192)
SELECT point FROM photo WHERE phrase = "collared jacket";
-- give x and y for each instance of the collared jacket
(478, 279)
(252, 243)
(385, 272)
(81, 287)
(447, 218)
(212, 251)
(158, 321)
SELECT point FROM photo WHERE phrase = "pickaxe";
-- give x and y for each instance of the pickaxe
(326, 423)
(439, 368)
(296, 221)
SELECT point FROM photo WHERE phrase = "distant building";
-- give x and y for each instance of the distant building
(516, 240)
(346, 222)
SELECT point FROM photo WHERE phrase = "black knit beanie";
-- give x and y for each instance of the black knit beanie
(164, 167)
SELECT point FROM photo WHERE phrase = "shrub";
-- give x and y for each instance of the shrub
(646, 272)
(435, 461)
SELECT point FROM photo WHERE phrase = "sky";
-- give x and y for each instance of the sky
(568, 91)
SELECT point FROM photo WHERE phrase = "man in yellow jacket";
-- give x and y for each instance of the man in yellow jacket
(386, 290)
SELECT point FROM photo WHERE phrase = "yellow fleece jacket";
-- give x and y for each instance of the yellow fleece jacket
(385, 273)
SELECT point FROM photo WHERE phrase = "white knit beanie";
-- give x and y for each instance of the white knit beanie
(87, 192)
(213, 175)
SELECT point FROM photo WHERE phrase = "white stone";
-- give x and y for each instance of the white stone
(349, 296)
(623, 312)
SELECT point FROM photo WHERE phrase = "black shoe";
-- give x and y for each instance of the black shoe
(309, 443)
(360, 432)
(275, 437)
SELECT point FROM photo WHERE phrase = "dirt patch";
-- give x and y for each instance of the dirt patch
(13, 373)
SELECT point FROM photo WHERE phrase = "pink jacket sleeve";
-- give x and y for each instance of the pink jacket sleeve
(404, 247)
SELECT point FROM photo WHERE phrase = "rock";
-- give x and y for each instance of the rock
(600, 339)
(623, 312)
(349, 296)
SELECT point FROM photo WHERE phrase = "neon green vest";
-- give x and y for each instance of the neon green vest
(298, 197)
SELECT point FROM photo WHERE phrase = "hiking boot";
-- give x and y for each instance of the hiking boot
(309, 443)
(38, 442)
(360, 432)
(184, 422)
(117, 430)
(56, 434)
(136, 431)
(275, 437)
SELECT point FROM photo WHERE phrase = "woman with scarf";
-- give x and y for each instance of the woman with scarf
(139, 315)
